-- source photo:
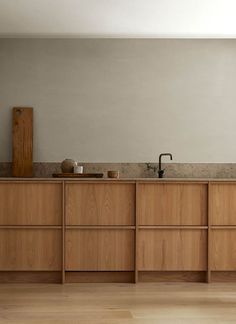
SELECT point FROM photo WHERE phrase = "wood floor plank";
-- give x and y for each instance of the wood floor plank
(144, 303)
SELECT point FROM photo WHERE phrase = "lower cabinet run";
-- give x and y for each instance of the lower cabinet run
(117, 231)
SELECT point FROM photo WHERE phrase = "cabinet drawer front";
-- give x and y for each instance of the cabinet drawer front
(223, 249)
(30, 249)
(30, 203)
(102, 249)
(172, 250)
(172, 204)
(223, 204)
(100, 204)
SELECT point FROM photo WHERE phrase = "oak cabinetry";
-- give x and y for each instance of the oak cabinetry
(172, 250)
(30, 249)
(172, 204)
(30, 203)
(100, 204)
(223, 250)
(223, 204)
(172, 230)
(99, 250)
(31, 230)
(99, 228)
(117, 231)
(223, 227)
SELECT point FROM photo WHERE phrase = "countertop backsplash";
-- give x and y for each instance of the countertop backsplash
(137, 170)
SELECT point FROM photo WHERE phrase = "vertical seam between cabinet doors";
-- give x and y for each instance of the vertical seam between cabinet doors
(209, 233)
(136, 235)
(63, 232)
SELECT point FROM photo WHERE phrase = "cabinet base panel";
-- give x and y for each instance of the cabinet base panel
(172, 276)
(99, 276)
(114, 276)
(30, 277)
(223, 276)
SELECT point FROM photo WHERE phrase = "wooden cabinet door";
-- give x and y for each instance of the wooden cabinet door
(100, 204)
(99, 249)
(172, 204)
(172, 250)
(30, 203)
(223, 204)
(223, 249)
(30, 249)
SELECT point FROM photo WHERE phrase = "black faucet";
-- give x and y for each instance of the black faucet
(160, 170)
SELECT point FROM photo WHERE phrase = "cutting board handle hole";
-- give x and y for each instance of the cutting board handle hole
(18, 112)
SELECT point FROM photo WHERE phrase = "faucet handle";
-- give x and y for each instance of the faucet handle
(148, 165)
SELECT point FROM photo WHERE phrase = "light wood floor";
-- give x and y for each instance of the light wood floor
(146, 303)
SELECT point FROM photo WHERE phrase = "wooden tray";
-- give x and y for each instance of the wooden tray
(77, 175)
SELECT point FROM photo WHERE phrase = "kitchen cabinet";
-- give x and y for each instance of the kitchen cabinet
(223, 204)
(172, 204)
(223, 229)
(172, 250)
(99, 250)
(223, 250)
(100, 204)
(30, 249)
(117, 230)
(23, 203)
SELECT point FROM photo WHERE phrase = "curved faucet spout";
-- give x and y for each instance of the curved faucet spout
(160, 170)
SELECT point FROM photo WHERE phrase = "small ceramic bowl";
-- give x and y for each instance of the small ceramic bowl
(113, 174)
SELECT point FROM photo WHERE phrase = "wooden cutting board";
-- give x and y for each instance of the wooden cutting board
(22, 142)
(77, 175)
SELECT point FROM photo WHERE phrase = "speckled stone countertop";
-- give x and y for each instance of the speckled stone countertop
(137, 170)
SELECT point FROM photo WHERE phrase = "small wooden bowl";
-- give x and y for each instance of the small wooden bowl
(113, 174)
